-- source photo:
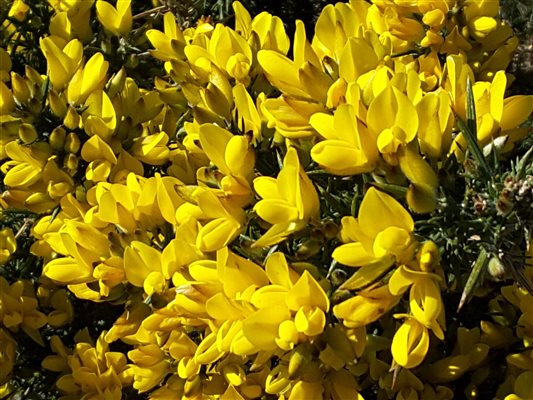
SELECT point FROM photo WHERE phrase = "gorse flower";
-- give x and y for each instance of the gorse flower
(241, 214)
(288, 202)
(117, 20)
(8, 244)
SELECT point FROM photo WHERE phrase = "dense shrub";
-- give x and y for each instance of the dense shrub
(222, 210)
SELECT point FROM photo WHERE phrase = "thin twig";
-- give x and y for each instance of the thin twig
(152, 11)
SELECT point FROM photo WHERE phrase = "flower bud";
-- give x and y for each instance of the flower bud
(71, 162)
(8, 244)
(71, 119)
(57, 104)
(18, 10)
(72, 143)
(496, 269)
(57, 138)
(34, 106)
(300, 357)
(27, 133)
(20, 88)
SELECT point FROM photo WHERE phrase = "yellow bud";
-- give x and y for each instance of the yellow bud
(308, 249)
(193, 387)
(496, 336)
(80, 194)
(8, 244)
(20, 88)
(18, 10)
(71, 162)
(27, 133)
(428, 256)
(72, 143)
(234, 374)
(277, 380)
(33, 75)
(57, 104)
(300, 358)
(57, 138)
(71, 119)
(34, 106)
(116, 83)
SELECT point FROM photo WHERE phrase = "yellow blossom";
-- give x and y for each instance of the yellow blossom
(8, 244)
(382, 231)
(288, 202)
(117, 20)
(18, 10)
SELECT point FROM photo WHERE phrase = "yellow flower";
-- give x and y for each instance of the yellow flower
(87, 79)
(270, 32)
(436, 137)
(496, 116)
(99, 118)
(410, 343)
(151, 149)
(169, 44)
(62, 62)
(234, 158)
(63, 311)
(100, 157)
(522, 387)
(366, 307)
(94, 371)
(8, 244)
(230, 52)
(306, 390)
(117, 20)
(395, 127)
(349, 147)
(5, 65)
(142, 265)
(336, 24)
(79, 16)
(290, 115)
(8, 348)
(288, 202)
(246, 113)
(7, 101)
(18, 309)
(382, 231)
(221, 220)
(18, 10)
(150, 366)
(424, 296)
(26, 164)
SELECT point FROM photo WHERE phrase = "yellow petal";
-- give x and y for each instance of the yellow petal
(353, 255)
(378, 210)
(306, 292)
(276, 211)
(68, 270)
(410, 344)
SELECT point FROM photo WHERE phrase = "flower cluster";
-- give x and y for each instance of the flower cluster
(202, 199)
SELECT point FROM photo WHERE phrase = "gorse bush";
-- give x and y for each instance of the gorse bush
(227, 212)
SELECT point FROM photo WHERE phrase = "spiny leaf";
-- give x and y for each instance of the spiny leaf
(473, 278)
